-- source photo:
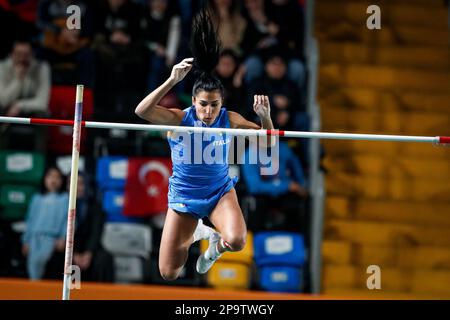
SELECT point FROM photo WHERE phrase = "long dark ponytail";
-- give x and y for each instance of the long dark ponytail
(206, 48)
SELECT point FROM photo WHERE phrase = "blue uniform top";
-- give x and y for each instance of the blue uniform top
(199, 166)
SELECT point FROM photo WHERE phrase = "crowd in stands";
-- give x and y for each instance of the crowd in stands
(46, 224)
(123, 50)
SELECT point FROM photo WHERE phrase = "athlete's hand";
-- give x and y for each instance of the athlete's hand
(180, 70)
(261, 106)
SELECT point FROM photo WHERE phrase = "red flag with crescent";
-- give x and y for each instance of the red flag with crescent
(147, 186)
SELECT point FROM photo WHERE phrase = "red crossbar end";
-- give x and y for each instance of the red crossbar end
(54, 122)
(275, 132)
(444, 140)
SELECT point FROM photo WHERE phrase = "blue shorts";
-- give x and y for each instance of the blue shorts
(201, 208)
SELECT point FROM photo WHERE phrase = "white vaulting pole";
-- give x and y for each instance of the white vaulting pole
(73, 193)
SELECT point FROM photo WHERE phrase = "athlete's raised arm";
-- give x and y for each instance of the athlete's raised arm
(261, 106)
(149, 109)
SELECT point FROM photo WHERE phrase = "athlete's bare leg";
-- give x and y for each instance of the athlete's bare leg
(228, 219)
(176, 239)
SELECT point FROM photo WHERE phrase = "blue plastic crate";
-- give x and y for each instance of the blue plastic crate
(280, 279)
(279, 248)
(112, 172)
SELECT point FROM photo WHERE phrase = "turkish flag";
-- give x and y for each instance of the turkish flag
(147, 186)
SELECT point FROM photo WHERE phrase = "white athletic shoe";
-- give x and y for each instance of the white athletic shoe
(207, 259)
(202, 232)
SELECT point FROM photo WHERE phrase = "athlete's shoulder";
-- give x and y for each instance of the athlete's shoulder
(187, 115)
(189, 109)
(237, 121)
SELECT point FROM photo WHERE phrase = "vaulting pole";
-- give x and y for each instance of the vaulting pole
(71, 214)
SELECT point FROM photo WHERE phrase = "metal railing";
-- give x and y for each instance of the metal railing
(316, 178)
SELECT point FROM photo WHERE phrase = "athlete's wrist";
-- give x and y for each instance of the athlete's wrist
(266, 122)
(171, 81)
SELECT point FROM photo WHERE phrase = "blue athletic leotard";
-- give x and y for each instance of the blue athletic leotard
(200, 166)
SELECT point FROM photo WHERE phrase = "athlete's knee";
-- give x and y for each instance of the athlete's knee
(236, 242)
(168, 274)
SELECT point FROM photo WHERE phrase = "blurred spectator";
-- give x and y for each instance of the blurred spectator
(95, 263)
(19, 16)
(288, 14)
(24, 91)
(120, 59)
(234, 97)
(230, 23)
(162, 33)
(187, 9)
(24, 82)
(283, 93)
(263, 33)
(260, 32)
(46, 224)
(279, 198)
(66, 49)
